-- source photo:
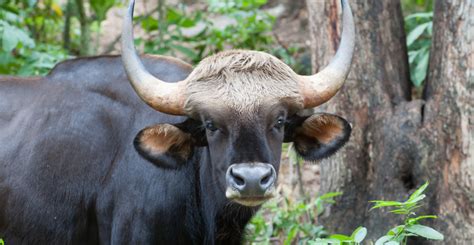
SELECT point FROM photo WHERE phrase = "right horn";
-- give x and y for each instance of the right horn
(322, 86)
(161, 96)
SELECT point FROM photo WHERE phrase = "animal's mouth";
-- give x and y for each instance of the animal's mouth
(251, 201)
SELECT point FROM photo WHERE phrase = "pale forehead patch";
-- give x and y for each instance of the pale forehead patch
(241, 80)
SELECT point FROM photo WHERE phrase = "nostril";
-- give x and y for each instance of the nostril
(266, 179)
(237, 179)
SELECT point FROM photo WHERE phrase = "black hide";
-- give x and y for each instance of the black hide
(69, 173)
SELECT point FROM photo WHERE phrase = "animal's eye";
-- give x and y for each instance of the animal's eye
(280, 123)
(210, 125)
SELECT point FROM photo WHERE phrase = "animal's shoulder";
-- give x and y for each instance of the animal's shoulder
(107, 68)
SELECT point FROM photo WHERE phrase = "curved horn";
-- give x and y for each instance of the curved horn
(164, 97)
(322, 86)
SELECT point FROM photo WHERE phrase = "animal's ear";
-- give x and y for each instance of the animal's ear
(318, 136)
(165, 145)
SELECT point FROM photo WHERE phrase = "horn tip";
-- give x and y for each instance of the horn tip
(344, 3)
(131, 7)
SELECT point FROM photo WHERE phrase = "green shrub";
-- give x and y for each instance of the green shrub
(356, 237)
(27, 35)
(297, 222)
(411, 226)
(288, 221)
(32, 33)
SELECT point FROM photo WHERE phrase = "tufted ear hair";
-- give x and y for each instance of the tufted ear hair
(317, 136)
(165, 145)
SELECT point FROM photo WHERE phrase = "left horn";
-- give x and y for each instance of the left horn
(322, 86)
(164, 97)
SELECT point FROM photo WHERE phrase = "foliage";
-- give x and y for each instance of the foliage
(101, 7)
(411, 226)
(297, 222)
(165, 36)
(357, 236)
(414, 6)
(250, 28)
(419, 27)
(294, 221)
(2, 242)
(247, 27)
(32, 33)
(20, 53)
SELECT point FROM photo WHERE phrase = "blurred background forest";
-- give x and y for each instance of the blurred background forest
(37, 34)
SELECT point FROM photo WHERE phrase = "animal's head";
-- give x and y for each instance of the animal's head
(242, 105)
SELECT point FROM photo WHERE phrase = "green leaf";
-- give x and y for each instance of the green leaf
(416, 33)
(412, 56)
(396, 230)
(341, 237)
(412, 221)
(187, 23)
(426, 15)
(421, 69)
(12, 36)
(400, 211)
(383, 240)
(149, 23)
(392, 243)
(291, 234)
(415, 200)
(359, 234)
(173, 15)
(425, 231)
(380, 203)
(418, 192)
(9, 41)
(101, 7)
(322, 241)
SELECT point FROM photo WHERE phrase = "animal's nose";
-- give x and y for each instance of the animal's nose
(251, 179)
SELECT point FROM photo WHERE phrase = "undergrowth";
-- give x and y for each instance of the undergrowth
(289, 222)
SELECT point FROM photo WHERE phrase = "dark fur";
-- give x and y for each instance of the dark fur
(69, 173)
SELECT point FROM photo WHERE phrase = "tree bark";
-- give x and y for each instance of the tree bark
(397, 143)
(449, 119)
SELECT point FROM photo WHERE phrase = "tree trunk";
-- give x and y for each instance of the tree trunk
(85, 28)
(449, 119)
(397, 143)
(67, 26)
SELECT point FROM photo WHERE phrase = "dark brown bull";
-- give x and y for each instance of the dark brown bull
(69, 173)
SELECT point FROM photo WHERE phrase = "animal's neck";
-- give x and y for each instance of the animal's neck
(223, 220)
